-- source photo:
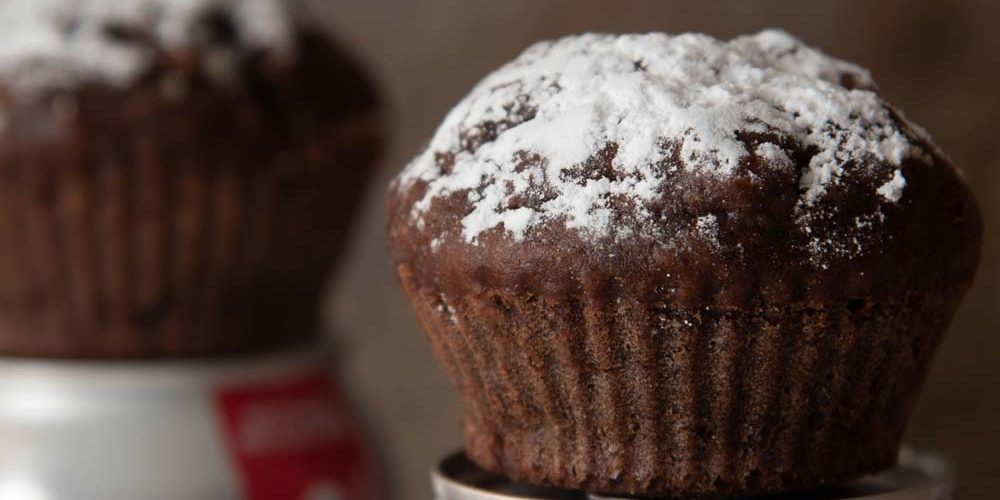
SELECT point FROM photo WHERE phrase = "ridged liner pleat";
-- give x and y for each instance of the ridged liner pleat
(607, 392)
(227, 224)
(471, 346)
(523, 408)
(717, 398)
(137, 250)
(607, 403)
(40, 233)
(643, 390)
(572, 386)
(14, 275)
(147, 199)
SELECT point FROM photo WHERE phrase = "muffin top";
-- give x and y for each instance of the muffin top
(83, 72)
(723, 169)
(49, 44)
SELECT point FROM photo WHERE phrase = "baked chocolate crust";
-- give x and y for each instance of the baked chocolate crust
(929, 240)
(180, 215)
(828, 194)
(777, 220)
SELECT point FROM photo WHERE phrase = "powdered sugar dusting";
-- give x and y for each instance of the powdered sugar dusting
(708, 226)
(773, 154)
(563, 103)
(893, 189)
(58, 43)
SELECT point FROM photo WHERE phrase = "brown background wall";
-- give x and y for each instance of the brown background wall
(937, 60)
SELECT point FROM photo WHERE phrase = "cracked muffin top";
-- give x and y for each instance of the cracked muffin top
(731, 170)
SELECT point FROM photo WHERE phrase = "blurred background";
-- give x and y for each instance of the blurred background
(937, 60)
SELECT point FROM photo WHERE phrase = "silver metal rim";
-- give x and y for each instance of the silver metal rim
(921, 476)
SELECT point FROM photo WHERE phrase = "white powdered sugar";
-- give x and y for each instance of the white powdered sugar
(58, 43)
(773, 154)
(893, 190)
(708, 226)
(562, 103)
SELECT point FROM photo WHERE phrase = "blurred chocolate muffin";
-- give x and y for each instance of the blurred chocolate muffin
(176, 177)
(679, 266)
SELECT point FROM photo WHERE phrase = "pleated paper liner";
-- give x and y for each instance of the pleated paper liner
(154, 253)
(614, 394)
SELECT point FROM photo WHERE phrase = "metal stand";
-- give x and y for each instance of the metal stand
(917, 477)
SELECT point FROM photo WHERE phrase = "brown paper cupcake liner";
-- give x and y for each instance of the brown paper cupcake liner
(614, 393)
(152, 253)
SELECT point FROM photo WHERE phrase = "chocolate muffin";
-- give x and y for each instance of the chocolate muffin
(679, 266)
(175, 176)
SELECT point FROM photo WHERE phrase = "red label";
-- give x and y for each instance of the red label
(294, 440)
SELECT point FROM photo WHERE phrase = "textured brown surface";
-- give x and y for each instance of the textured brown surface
(614, 392)
(681, 367)
(936, 59)
(930, 239)
(140, 222)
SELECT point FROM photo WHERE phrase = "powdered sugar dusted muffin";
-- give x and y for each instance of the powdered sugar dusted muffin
(164, 165)
(674, 265)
